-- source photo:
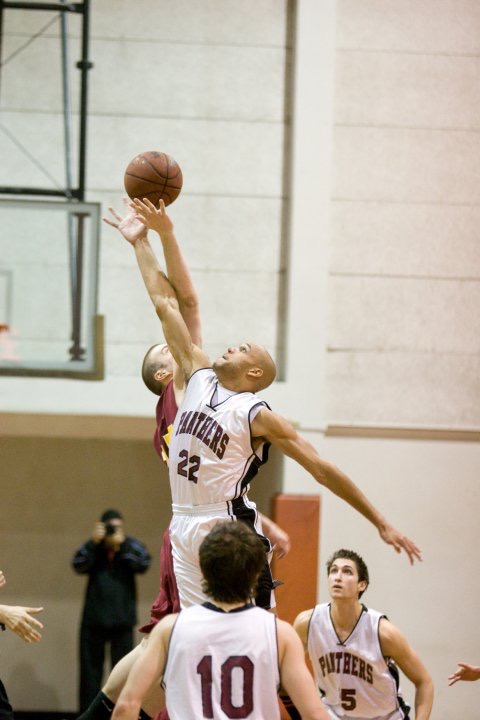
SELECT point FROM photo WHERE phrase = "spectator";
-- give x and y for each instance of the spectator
(111, 560)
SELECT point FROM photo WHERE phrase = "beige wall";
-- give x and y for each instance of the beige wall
(55, 484)
(383, 274)
(404, 290)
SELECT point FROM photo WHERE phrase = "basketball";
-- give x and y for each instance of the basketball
(153, 175)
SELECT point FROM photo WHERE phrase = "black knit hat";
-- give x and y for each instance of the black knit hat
(111, 515)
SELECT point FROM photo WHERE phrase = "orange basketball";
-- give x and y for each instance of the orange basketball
(153, 175)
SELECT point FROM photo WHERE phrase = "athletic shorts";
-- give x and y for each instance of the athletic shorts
(188, 528)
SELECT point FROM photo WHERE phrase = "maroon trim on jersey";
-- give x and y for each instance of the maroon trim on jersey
(165, 414)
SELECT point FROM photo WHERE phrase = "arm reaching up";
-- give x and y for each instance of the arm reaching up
(156, 218)
(186, 354)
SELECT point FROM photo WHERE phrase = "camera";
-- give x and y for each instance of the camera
(110, 529)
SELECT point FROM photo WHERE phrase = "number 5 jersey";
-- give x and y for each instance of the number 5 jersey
(353, 676)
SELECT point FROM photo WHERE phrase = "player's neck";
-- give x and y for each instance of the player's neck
(234, 383)
(227, 607)
(345, 613)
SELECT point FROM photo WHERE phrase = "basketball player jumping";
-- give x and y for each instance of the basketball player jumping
(221, 438)
(355, 651)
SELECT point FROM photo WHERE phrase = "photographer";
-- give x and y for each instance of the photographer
(110, 559)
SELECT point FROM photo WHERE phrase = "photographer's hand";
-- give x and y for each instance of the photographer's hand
(98, 533)
(116, 539)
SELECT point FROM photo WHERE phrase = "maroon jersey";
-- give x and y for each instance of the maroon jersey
(167, 600)
(165, 414)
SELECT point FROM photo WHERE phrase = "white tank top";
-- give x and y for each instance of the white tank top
(211, 454)
(223, 665)
(352, 676)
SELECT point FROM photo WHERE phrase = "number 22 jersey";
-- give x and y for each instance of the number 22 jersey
(211, 455)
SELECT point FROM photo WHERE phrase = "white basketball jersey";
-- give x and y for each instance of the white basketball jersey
(223, 665)
(353, 675)
(211, 454)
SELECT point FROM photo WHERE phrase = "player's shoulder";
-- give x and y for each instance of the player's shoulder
(284, 628)
(270, 418)
(163, 628)
(303, 618)
(388, 633)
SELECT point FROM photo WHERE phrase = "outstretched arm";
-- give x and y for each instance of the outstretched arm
(156, 218)
(464, 672)
(395, 646)
(20, 621)
(187, 355)
(283, 435)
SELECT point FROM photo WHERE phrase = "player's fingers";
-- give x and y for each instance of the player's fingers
(149, 204)
(110, 222)
(416, 553)
(115, 214)
(411, 549)
(32, 636)
(140, 211)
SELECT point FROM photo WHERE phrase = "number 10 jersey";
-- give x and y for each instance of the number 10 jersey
(223, 664)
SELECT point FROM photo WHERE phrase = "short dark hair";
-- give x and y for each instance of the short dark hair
(111, 515)
(232, 557)
(360, 564)
(149, 368)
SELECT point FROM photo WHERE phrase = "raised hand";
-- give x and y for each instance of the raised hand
(130, 225)
(154, 218)
(400, 542)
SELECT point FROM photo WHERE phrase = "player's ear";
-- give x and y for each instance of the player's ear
(255, 372)
(161, 374)
(362, 586)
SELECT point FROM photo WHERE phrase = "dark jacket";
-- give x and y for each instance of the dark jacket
(111, 596)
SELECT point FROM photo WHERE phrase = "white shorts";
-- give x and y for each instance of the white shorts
(188, 528)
